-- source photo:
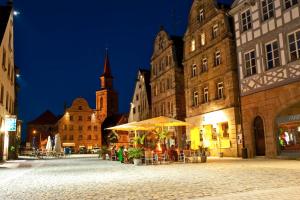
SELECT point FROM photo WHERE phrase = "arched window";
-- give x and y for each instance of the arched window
(101, 103)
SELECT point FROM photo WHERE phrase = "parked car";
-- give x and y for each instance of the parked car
(82, 150)
(95, 150)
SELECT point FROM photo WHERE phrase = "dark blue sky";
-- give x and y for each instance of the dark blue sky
(60, 46)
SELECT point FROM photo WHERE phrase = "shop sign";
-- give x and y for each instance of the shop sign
(286, 119)
(11, 123)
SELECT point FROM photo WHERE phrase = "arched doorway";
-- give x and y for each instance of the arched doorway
(259, 135)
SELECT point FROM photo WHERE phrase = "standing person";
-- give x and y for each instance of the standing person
(120, 154)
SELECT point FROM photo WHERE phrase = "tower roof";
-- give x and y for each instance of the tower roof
(107, 71)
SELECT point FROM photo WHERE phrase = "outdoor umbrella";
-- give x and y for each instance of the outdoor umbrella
(57, 146)
(133, 126)
(161, 121)
(49, 144)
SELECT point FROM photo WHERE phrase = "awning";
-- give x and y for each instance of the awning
(68, 144)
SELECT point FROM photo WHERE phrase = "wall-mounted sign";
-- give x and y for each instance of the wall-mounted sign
(10, 123)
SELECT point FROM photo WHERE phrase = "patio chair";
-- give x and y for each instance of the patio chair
(149, 157)
(187, 156)
(180, 156)
(163, 157)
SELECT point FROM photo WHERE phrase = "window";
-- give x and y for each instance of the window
(89, 118)
(250, 62)
(246, 20)
(71, 137)
(294, 45)
(79, 107)
(220, 89)
(133, 110)
(215, 31)
(101, 103)
(80, 137)
(217, 58)
(71, 118)
(272, 55)
(267, 9)
(194, 70)
(193, 45)
(79, 118)
(224, 129)
(172, 108)
(195, 99)
(8, 70)
(89, 128)
(201, 15)
(202, 37)
(137, 97)
(95, 128)
(89, 137)
(80, 128)
(71, 127)
(2, 94)
(205, 95)
(290, 3)
(204, 65)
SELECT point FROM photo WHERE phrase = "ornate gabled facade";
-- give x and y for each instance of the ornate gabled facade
(268, 49)
(7, 78)
(80, 126)
(140, 106)
(106, 97)
(211, 80)
(167, 80)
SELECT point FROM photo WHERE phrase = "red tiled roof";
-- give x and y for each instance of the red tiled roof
(45, 118)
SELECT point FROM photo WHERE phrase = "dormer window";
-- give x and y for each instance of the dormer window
(201, 15)
(193, 44)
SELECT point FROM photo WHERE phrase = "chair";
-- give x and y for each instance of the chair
(149, 157)
(187, 156)
(163, 157)
(180, 156)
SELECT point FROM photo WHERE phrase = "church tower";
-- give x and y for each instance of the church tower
(106, 97)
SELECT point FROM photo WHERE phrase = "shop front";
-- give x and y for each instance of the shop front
(216, 132)
(289, 133)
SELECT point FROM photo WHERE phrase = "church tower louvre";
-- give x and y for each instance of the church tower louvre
(106, 97)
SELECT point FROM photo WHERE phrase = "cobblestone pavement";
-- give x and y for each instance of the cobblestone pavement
(90, 178)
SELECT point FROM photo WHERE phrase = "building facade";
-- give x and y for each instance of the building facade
(167, 80)
(7, 79)
(268, 48)
(80, 126)
(211, 80)
(140, 106)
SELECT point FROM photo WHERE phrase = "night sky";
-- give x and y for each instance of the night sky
(60, 47)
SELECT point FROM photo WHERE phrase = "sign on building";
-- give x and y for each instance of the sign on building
(10, 123)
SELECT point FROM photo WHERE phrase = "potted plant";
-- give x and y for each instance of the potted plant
(103, 151)
(135, 154)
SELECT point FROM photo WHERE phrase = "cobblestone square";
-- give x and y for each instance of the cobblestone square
(91, 178)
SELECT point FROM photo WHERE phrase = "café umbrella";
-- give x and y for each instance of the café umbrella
(57, 146)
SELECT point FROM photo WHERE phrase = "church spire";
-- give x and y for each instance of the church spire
(106, 78)
(107, 71)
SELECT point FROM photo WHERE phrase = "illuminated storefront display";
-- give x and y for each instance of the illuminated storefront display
(289, 133)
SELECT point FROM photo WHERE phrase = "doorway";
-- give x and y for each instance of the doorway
(259, 134)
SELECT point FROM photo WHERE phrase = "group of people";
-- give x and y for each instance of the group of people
(121, 154)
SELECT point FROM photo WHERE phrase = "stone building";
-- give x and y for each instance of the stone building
(80, 126)
(140, 106)
(268, 49)
(167, 80)
(40, 128)
(211, 80)
(7, 78)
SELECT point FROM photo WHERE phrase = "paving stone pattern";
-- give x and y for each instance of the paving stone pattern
(91, 178)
